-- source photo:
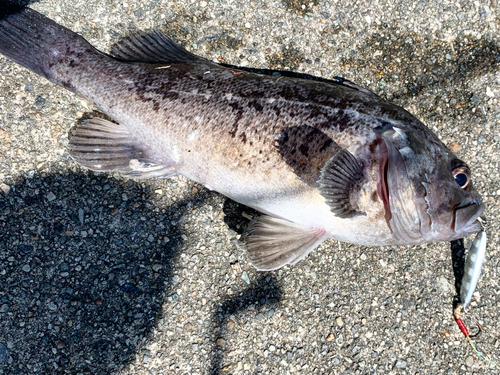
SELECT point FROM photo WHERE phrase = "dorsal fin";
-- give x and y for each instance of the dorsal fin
(152, 47)
(337, 81)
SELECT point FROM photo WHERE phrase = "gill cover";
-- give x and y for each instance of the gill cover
(404, 219)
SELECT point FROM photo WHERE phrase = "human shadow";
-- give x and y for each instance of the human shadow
(264, 293)
(86, 262)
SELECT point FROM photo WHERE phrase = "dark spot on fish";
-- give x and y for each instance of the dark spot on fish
(156, 106)
(374, 197)
(256, 93)
(239, 115)
(235, 106)
(243, 137)
(277, 110)
(340, 119)
(327, 144)
(315, 113)
(255, 104)
(67, 84)
(169, 94)
(304, 149)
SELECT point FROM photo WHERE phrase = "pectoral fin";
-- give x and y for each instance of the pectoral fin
(340, 181)
(272, 243)
(102, 145)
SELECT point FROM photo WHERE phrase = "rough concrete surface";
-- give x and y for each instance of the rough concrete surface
(101, 275)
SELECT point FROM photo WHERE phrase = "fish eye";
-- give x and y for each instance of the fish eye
(461, 173)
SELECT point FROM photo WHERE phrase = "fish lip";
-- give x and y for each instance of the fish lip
(472, 224)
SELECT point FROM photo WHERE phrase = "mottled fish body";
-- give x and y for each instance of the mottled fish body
(321, 159)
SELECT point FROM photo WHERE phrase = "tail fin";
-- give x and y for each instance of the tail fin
(35, 41)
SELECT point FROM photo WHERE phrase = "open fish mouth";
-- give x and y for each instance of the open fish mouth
(466, 218)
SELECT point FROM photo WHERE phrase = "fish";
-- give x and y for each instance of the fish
(318, 158)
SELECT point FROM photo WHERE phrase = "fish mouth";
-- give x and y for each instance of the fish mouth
(466, 218)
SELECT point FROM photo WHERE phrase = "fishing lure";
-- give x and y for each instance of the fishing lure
(472, 271)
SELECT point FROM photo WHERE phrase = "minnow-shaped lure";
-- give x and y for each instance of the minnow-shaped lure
(473, 265)
(472, 271)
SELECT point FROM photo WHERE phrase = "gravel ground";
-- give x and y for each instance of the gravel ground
(101, 275)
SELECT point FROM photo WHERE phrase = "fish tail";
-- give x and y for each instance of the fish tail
(36, 42)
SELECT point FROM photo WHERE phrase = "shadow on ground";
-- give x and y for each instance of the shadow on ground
(262, 295)
(85, 264)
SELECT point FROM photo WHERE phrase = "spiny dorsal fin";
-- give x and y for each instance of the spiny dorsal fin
(272, 243)
(102, 145)
(355, 86)
(152, 47)
(338, 81)
(340, 178)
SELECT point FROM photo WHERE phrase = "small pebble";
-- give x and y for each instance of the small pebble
(220, 342)
(4, 188)
(40, 101)
(245, 278)
(59, 344)
(51, 196)
(339, 321)
(455, 147)
(469, 361)
(157, 267)
(26, 268)
(443, 284)
(3, 352)
(330, 337)
(401, 363)
(52, 306)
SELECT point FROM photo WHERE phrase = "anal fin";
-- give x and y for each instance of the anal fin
(102, 145)
(272, 243)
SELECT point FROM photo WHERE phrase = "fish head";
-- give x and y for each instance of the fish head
(429, 192)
